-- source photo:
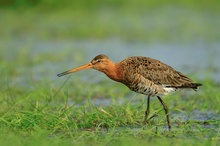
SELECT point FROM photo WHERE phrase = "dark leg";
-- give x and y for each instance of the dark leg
(147, 110)
(166, 111)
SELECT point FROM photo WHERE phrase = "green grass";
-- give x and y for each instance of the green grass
(38, 117)
(38, 108)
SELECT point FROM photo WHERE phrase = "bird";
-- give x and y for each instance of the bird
(143, 75)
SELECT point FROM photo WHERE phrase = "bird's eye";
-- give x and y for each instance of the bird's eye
(98, 60)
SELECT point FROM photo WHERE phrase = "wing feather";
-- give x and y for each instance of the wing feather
(157, 72)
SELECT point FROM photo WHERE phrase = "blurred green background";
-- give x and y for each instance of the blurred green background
(128, 20)
(41, 38)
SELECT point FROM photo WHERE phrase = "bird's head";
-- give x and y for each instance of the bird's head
(100, 63)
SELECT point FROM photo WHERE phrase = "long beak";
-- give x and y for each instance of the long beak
(87, 66)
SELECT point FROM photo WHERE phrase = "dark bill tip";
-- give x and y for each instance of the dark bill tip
(59, 75)
(62, 74)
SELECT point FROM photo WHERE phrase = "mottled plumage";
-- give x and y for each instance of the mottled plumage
(143, 75)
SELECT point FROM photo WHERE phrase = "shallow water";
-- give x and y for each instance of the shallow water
(199, 59)
(195, 115)
(196, 121)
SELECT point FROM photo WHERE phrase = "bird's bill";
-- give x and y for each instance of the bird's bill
(87, 66)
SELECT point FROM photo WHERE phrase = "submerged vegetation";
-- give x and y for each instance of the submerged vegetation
(37, 108)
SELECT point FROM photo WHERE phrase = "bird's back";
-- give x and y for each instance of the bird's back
(139, 71)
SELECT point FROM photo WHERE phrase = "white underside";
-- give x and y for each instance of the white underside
(169, 89)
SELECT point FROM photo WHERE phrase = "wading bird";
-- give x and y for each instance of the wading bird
(142, 75)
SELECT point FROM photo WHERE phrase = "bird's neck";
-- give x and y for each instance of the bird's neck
(113, 72)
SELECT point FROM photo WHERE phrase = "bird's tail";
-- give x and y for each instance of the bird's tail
(195, 86)
(188, 83)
